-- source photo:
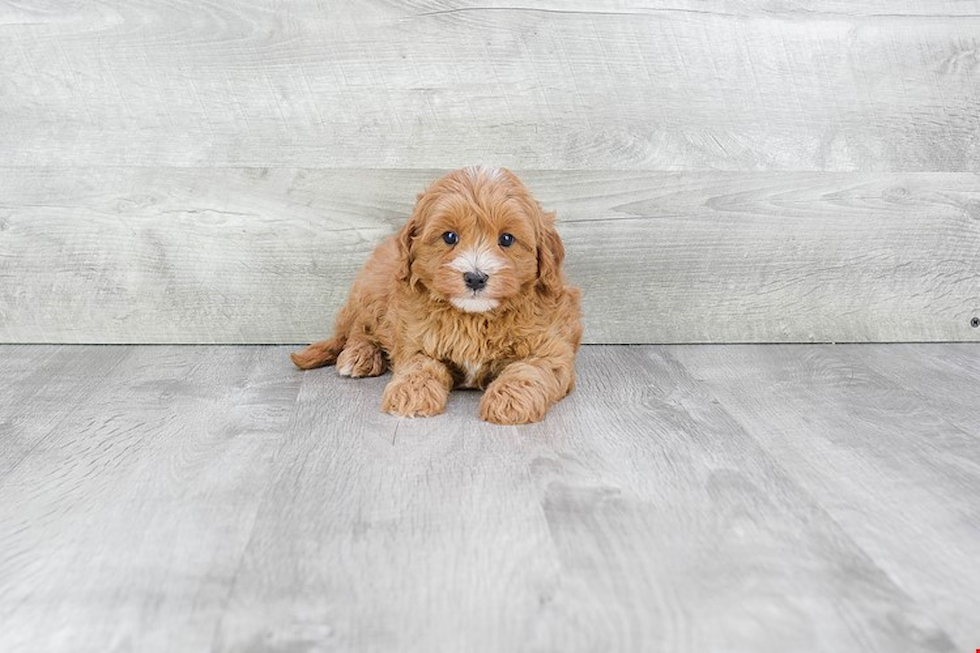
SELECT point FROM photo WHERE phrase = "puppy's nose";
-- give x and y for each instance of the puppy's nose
(475, 280)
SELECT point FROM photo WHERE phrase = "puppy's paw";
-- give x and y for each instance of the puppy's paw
(415, 395)
(361, 358)
(513, 401)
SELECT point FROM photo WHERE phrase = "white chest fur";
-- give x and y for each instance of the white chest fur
(472, 372)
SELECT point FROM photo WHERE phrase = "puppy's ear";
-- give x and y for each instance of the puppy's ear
(412, 230)
(551, 255)
(405, 239)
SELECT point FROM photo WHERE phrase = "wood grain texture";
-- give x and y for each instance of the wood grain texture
(938, 375)
(645, 84)
(37, 382)
(698, 498)
(827, 415)
(168, 255)
(123, 527)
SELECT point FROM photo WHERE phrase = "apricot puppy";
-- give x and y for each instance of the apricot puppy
(470, 293)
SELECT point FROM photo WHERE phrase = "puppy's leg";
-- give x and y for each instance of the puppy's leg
(419, 388)
(361, 357)
(525, 389)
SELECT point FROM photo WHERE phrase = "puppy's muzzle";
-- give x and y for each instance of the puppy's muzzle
(475, 280)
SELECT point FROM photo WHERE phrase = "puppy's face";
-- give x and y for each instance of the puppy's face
(477, 240)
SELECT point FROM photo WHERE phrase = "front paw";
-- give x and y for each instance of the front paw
(513, 401)
(416, 395)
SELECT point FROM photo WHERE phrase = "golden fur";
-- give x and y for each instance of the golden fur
(403, 307)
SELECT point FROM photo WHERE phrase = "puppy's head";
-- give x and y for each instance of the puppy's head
(478, 240)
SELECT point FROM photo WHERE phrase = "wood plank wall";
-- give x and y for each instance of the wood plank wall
(723, 170)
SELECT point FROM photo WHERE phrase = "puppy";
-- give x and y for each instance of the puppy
(470, 293)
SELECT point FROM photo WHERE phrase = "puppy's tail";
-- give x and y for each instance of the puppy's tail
(325, 352)
(318, 354)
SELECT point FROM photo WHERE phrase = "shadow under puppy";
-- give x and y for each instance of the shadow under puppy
(470, 293)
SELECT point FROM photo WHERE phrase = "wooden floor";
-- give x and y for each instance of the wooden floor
(684, 498)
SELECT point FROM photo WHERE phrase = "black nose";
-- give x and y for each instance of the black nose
(475, 280)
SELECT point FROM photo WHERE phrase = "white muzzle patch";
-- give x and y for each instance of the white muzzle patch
(477, 259)
(480, 259)
(474, 304)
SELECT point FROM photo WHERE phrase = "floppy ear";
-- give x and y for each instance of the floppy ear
(551, 254)
(405, 239)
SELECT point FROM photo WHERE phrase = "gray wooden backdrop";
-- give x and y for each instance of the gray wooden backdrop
(723, 170)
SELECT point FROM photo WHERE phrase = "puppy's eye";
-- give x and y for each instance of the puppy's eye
(450, 238)
(506, 240)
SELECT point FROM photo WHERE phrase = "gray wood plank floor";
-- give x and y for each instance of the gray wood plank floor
(683, 498)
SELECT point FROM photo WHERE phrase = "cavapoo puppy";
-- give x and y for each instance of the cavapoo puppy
(470, 293)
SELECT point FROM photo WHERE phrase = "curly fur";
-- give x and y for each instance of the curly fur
(410, 309)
